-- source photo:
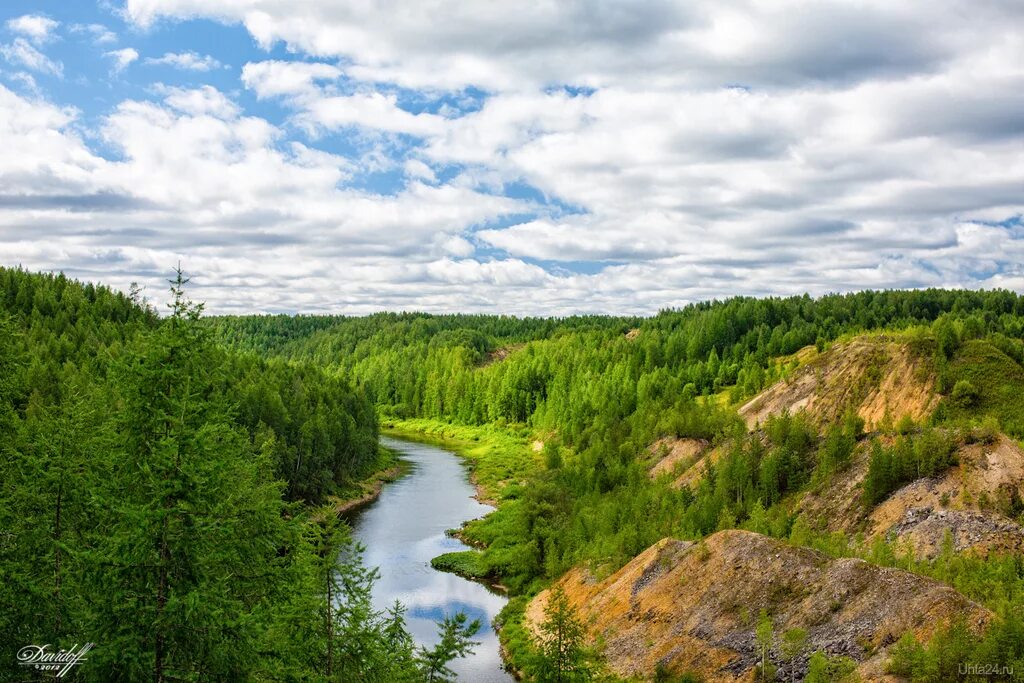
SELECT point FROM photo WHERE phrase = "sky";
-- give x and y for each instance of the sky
(541, 157)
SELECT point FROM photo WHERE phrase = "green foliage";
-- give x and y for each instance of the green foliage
(455, 641)
(911, 456)
(985, 381)
(824, 669)
(955, 653)
(964, 394)
(764, 638)
(289, 409)
(562, 656)
(793, 646)
(468, 563)
(500, 458)
(143, 501)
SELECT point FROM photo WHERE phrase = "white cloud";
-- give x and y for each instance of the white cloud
(670, 152)
(415, 168)
(187, 61)
(100, 34)
(276, 78)
(122, 58)
(197, 181)
(665, 43)
(35, 27)
(20, 52)
(205, 100)
(370, 110)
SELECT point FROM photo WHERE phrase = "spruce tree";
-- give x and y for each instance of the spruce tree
(563, 656)
(186, 552)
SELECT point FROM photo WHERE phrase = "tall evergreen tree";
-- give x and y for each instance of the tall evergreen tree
(189, 518)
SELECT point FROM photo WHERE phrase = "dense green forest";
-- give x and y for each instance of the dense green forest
(599, 390)
(158, 494)
(146, 457)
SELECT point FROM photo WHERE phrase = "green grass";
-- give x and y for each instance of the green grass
(999, 381)
(467, 563)
(501, 457)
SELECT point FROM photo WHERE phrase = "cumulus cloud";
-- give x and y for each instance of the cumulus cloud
(122, 58)
(36, 27)
(187, 61)
(547, 158)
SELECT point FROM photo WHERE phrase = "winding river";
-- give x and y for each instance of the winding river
(404, 528)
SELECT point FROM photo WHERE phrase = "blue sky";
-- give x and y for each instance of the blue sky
(594, 156)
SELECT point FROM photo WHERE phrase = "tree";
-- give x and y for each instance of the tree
(189, 519)
(794, 642)
(824, 669)
(764, 637)
(455, 642)
(964, 394)
(562, 656)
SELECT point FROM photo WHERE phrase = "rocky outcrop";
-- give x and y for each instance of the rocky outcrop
(965, 500)
(926, 530)
(694, 606)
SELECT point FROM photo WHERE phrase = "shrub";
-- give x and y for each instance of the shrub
(964, 394)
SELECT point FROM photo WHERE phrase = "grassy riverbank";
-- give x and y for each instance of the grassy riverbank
(390, 466)
(500, 458)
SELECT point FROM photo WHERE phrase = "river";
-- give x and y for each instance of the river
(404, 528)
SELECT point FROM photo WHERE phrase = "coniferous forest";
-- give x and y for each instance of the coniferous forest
(551, 341)
(165, 472)
(158, 495)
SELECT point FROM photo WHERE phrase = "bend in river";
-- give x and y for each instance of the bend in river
(405, 528)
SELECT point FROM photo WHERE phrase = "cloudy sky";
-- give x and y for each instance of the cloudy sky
(530, 157)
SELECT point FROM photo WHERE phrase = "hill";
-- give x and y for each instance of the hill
(693, 607)
(878, 378)
(974, 501)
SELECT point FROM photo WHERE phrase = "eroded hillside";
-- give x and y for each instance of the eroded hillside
(694, 606)
(969, 500)
(877, 377)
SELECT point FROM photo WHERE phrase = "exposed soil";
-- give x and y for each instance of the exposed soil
(694, 607)
(963, 500)
(500, 354)
(695, 472)
(673, 453)
(877, 377)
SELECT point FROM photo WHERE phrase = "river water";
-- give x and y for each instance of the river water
(404, 528)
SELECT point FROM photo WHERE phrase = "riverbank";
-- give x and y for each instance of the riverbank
(500, 459)
(368, 490)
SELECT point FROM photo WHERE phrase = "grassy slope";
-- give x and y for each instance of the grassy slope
(465, 563)
(999, 381)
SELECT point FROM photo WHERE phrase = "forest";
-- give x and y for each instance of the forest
(598, 390)
(149, 454)
(160, 494)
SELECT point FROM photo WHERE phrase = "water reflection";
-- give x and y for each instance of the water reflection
(404, 528)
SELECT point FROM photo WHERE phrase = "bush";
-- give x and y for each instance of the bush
(964, 394)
